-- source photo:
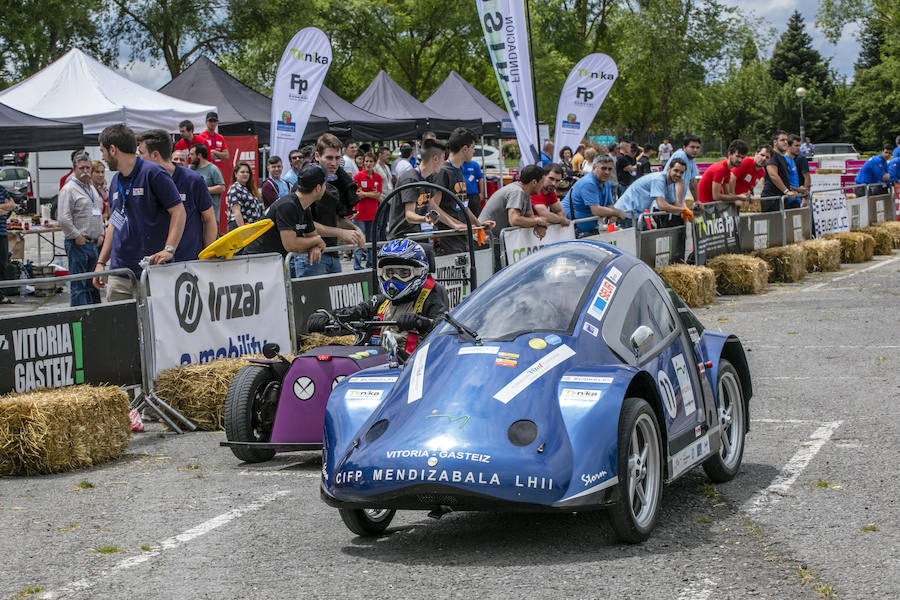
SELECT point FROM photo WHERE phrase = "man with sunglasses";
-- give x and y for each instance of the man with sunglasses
(409, 295)
(297, 160)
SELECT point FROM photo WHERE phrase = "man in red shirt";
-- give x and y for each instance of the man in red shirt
(752, 169)
(545, 203)
(218, 151)
(186, 129)
(716, 183)
(368, 190)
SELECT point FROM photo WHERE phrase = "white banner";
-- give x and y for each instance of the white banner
(830, 213)
(204, 310)
(300, 75)
(621, 238)
(520, 242)
(506, 33)
(585, 90)
(449, 267)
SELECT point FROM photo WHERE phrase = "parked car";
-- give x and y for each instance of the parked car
(17, 181)
(572, 380)
(834, 151)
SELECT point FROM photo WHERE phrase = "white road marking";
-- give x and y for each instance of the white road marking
(819, 377)
(281, 473)
(820, 346)
(877, 265)
(168, 544)
(700, 590)
(793, 468)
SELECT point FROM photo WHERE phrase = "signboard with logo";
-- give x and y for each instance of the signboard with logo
(584, 91)
(520, 242)
(297, 83)
(70, 346)
(204, 310)
(716, 231)
(506, 33)
(760, 230)
(662, 247)
(830, 213)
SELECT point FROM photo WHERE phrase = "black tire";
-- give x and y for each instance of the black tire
(367, 522)
(725, 463)
(634, 514)
(249, 411)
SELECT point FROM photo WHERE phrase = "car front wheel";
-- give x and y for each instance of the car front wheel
(634, 515)
(367, 521)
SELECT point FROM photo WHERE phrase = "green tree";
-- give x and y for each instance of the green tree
(871, 41)
(174, 32)
(834, 15)
(794, 56)
(34, 33)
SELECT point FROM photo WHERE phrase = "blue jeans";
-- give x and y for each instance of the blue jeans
(301, 267)
(367, 228)
(82, 259)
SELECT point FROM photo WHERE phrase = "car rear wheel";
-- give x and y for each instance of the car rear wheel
(367, 521)
(723, 465)
(634, 515)
(250, 411)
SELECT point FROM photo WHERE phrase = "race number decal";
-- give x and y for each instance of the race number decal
(667, 392)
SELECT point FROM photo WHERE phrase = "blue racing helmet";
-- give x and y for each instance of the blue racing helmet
(402, 268)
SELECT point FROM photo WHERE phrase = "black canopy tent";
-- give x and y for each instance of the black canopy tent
(385, 97)
(22, 132)
(456, 97)
(349, 121)
(242, 110)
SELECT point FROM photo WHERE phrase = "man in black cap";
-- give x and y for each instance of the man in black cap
(294, 229)
(218, 151)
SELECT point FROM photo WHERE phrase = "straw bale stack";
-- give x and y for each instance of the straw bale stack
(856, 247)
(884, 241)
(198, 391)
(695, 285)
(822, 255)
(893, 228)
(54, 430)
(739, 273)
(754, 206)
(786, 263)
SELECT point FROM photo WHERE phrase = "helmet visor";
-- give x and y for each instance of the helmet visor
(403, 273)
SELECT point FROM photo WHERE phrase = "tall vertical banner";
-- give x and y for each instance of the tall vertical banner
(585, 90)
(300, 75)
(506, 33)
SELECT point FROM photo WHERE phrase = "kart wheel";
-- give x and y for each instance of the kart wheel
(724, 464)
(367, 521)
(634, 515)
(250, 411)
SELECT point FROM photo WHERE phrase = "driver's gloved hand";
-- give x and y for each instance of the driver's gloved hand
(410, 321)
(317, 322)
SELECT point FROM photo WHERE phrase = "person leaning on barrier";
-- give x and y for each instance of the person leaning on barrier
(657, 191)
(777, 175)
(690, 148)
(409, 295)
(200, 225)
(409, 211)
(751, 170)
(718, 181)
(80, 211)
(146, 213)
(294, 230)
(875, 170)
(592, 196)
(545, 203)
(510, 206)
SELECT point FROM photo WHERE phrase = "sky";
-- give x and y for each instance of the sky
(775, 13)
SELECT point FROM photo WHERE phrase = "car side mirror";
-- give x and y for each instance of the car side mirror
(639, 340)
(270, 350)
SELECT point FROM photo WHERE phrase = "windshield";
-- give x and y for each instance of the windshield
(545, 291)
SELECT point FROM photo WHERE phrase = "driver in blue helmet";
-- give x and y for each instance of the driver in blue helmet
(409, 295)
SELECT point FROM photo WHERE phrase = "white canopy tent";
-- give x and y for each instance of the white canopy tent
(79, 89)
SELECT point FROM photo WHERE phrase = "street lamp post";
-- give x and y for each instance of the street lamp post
(801, 93)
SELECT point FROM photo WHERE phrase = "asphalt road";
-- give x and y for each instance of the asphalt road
(812, 514)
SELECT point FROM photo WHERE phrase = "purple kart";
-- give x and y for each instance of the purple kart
(276, 405)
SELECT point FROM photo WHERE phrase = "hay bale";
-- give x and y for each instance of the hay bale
(893, 228)
(754, 206)
(695, 285)
(786, 263)
(50, 431)
(198, 391)
(822, 255)
(856, 247)
(884, 241)
(739, 273)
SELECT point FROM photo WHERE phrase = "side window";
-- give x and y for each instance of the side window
(648, 308)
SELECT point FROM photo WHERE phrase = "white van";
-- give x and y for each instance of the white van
(52, 166)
